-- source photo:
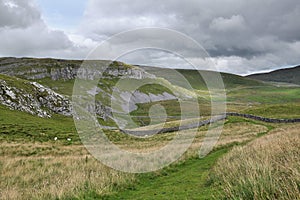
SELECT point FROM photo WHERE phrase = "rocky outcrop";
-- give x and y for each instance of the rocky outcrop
(122, 102)
(65, 73)
(32, 68)
(33, 98)
(130, 100)
(43, 101)
(56, 69)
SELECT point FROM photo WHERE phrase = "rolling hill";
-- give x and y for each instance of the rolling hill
(54, 79)
(195, 79)
(288, 75)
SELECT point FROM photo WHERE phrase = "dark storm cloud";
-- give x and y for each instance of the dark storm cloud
(249, 31)
(240, 36)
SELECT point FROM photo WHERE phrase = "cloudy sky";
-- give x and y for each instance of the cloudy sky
(240, 36)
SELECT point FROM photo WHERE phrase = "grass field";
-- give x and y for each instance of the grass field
(37, 167)
(34, 165)
(22, 127)
(44, 158)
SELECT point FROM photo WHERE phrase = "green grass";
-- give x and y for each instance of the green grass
(230, 80)
(184, 180)
(154, 89)
(172, 108)
(289, 75)
(187, 180)
(22, 127)
(264, 95)
(289, 110)
(17, 83)
(196, 81)
(64, 87)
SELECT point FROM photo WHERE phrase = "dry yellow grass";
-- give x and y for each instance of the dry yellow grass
(232, 132)
(64, 171)
(267, 168)
(53, 170)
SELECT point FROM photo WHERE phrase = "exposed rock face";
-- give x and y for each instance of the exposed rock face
(53, 101)
(122, 102)
(39, 100)
(65, 73)
(55, 69)
(43, 101)
(30, 68)
(138, 97)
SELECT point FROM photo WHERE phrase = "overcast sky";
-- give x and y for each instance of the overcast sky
(241, 36)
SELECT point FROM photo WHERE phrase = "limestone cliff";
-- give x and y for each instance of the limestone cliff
(20, 91)
(32, 97)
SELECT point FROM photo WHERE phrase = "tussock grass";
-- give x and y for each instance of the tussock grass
(267, 168)
(52, 170)
(57, 177)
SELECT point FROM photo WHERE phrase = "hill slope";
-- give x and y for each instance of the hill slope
(196, 80)
(289, 75)
(59, 76)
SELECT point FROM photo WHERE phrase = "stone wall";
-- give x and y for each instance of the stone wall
(264, 119)
(206, 122)
(177, 128)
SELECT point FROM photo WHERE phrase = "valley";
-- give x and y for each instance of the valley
(42, 156)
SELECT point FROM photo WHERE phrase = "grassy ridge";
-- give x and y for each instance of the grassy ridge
(289, 75)
(196, 80)
(230, 80)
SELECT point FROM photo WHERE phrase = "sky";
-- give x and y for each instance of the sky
(240, 36)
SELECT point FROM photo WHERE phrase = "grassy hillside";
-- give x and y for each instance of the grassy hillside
(196, 80)
(17, 83)
(230, 80)
(23, 127)
(264, 95)
(289, 75)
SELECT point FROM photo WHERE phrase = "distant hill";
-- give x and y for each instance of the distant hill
(59, 69)
(289, 75)
(196, 80)
(230, 80)
(44, 87)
